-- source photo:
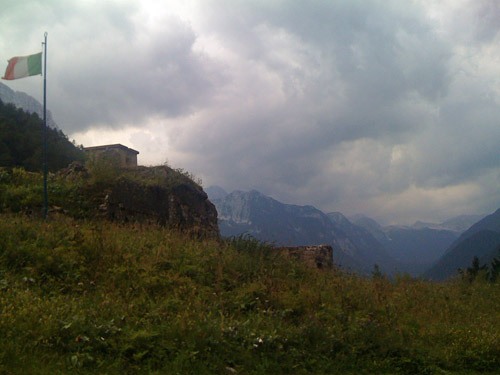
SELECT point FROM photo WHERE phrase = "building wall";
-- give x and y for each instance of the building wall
(123, 158)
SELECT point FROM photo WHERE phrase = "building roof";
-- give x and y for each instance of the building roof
(107, 147)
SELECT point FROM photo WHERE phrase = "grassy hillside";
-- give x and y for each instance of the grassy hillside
(87, 297)
(79, 191)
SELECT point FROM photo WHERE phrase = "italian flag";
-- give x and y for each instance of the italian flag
(24, 66)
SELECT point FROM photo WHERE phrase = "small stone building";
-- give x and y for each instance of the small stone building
(126, 157)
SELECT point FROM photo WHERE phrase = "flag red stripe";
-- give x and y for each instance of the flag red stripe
(9, 72)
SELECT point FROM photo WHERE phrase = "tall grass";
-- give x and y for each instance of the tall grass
(91, 297)
(80, 192)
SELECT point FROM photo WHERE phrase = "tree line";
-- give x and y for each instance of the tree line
(21, 142)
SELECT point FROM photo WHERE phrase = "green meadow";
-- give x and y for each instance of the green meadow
(82, 295)
(94, 297)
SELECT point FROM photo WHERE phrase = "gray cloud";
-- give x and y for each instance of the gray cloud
(149, 73)
(107, 68)
(387, 108)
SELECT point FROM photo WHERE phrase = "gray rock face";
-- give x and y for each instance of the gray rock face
(149, 195)
(25, 102)
(182, 207)
(369, 247)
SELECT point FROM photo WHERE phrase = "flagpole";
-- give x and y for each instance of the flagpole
(45, 127)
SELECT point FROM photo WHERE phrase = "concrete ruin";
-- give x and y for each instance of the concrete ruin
(317, 256)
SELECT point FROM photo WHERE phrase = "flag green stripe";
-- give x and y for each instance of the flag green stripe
(35, 64)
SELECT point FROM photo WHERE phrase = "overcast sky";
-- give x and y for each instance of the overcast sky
(389, 108)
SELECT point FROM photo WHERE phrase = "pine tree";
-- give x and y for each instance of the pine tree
(494, 269)
(472, 272)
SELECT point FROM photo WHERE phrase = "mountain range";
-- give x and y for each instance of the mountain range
(428, 249)
(456, 224)
(267, 219)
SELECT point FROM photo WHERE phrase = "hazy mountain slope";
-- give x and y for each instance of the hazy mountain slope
(371, 226)
(483, 244)
(490, 222)
(267, 219)
(25, 102)
(480, 240)
(462, 222)
(368, 246)
(215, 192)
(415, 249)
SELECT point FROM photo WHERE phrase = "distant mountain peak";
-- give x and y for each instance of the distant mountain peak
(423, 224)
(457, 224)
(257, 193)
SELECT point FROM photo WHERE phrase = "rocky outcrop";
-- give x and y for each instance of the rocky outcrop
(318, 256)
(149, 195)
(181, 207)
